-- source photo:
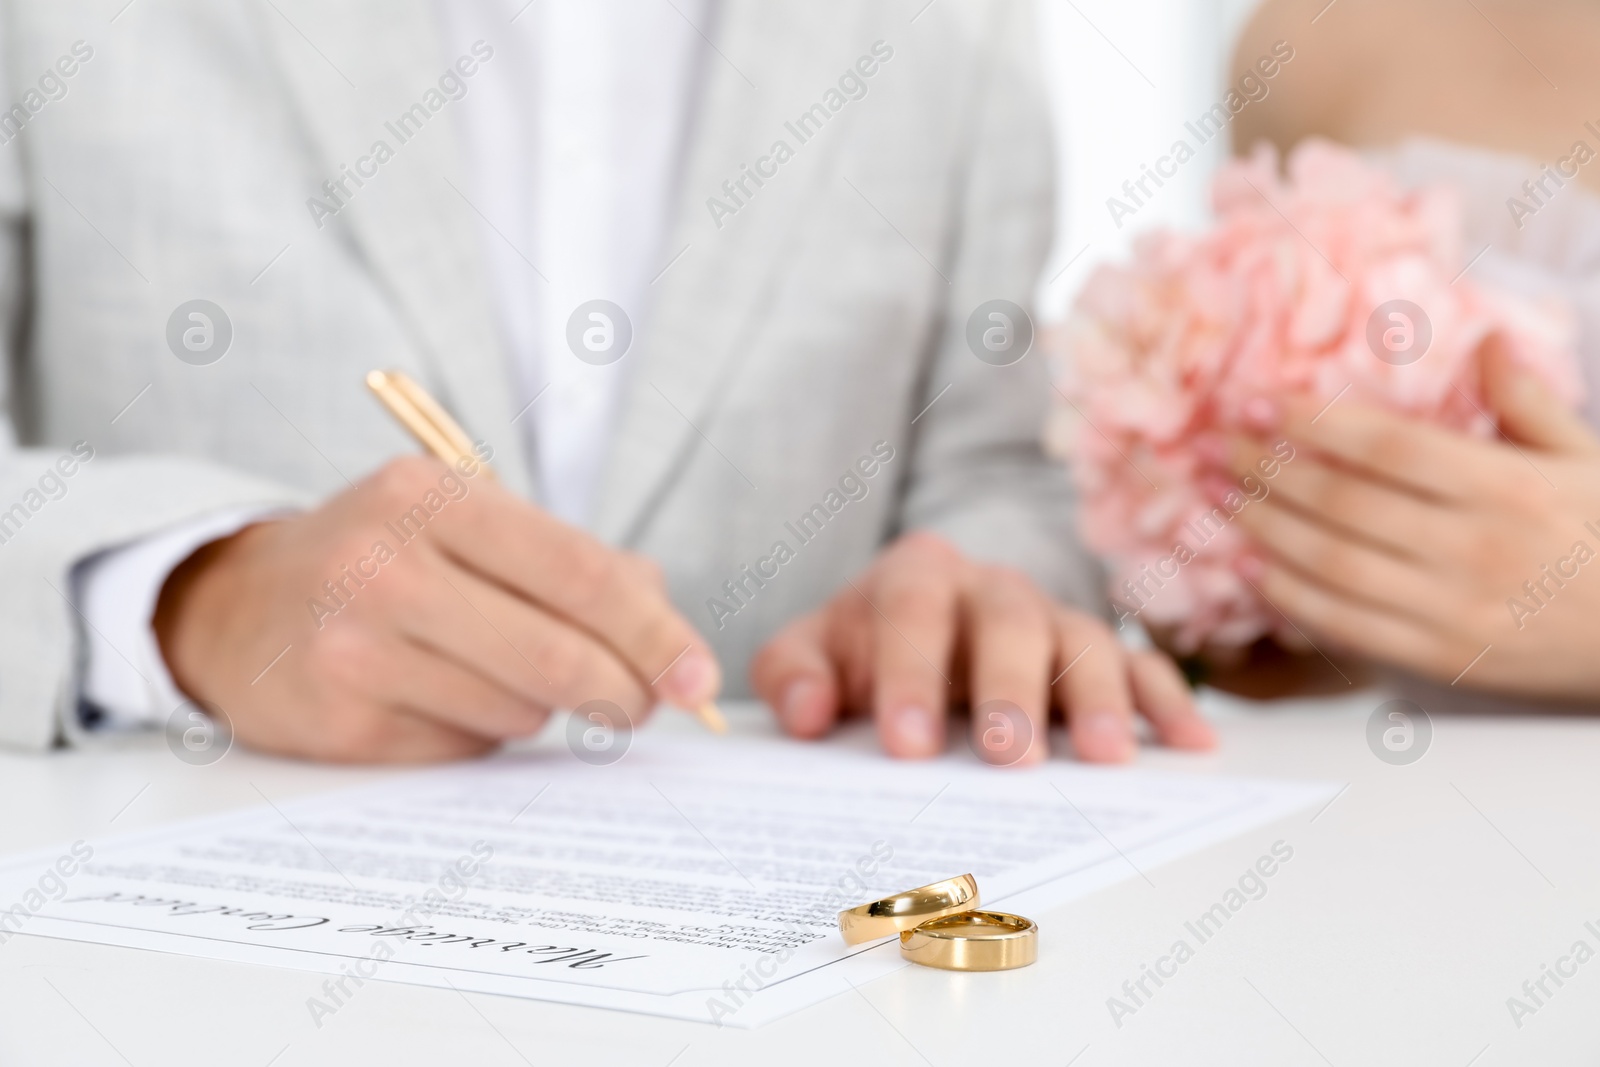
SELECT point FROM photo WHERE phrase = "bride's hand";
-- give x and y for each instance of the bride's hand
(1474, 562)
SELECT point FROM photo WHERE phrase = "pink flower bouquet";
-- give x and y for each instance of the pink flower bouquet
(1330, 280)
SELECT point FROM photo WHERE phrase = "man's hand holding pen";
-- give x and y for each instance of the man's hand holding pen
(425, 613)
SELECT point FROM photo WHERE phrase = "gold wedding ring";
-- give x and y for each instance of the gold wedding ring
(904, 911)
(973, 941)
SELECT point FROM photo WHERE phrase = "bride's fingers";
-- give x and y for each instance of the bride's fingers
(1163, 697)
(1425, 460)
(1352, 625)
(1528, 411)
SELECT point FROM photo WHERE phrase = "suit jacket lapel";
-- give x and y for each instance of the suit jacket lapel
(709, 303)
(354, 67)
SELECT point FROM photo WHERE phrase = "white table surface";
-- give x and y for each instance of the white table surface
(1415, 905)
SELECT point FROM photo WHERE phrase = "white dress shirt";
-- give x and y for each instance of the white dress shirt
(572, 139)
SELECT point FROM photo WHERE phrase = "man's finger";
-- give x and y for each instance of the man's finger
(850, 625)
(572, 575)
(1163, 698)
(794, 675)
(913, 594)
(522, 648)
(362, 731)
(432, 684)
(408, 737)
(1011, 641)
(1091, 684)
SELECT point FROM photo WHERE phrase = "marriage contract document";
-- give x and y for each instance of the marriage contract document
(691, 878)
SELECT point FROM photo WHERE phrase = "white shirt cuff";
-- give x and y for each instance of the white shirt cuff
(124, 682)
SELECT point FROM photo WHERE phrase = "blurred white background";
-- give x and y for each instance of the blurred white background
(1124, 76)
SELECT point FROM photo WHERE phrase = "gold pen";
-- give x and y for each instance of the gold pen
(441, 435)
(422, 415)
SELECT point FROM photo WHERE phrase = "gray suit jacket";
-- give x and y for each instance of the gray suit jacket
(823, 315)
